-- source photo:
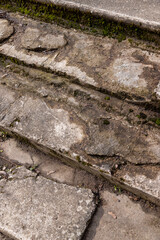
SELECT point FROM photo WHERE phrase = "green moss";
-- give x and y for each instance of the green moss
(158, 121)
(80, 20)
(107, 98)
(155, 120)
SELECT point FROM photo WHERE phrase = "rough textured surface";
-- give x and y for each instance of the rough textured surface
(49, 166)
(37, 208)
(5, 29)
(146, 183)
(121, 219)
(38, 39)
(63, 131)
(144, 12)
(99, 62)
(71, 116)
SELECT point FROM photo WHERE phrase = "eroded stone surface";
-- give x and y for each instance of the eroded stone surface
(5, 29)
(99, 62)
(61, 133)
(35, 39)
(60, 130)
(42, 209)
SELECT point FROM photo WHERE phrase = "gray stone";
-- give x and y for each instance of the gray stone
(119, 218)
(5, 29)
(38, 208)
(35, 39)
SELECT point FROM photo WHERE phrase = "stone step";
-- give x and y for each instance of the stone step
(100, 63)
(119, 20)
(115, 135)
(144, 14)
(31, 117)
(33, 207)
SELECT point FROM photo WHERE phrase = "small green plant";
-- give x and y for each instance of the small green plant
(33, 168)
(158, 121)
(107, 98)
(117, 189)
(3, 134)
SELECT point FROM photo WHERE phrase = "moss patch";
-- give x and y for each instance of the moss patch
(76, 19)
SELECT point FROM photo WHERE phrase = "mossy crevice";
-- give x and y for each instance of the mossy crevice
(85, 21)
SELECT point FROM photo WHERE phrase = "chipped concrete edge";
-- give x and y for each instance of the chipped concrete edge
(96, 170)
(111, 15)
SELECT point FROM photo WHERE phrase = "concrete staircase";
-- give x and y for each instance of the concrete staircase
(88, 101)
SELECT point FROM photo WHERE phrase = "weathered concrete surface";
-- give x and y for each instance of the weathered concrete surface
(5, 29)
(138, 12)
(26, 117)
(37, 208)
(146, 181)
(71, 116)
(101, 63)
(115, 214)
(119, 218)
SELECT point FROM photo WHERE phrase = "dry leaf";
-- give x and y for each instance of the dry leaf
(113, 215)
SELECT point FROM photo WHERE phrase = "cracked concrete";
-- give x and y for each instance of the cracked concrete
(91, 60)
(42, 209)
(117, 216)
(71, 116)
(102, 115)
(92, 138)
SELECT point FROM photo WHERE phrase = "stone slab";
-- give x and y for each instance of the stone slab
(5, 29)
(120, 218)
(138, 12)
(37, 208)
